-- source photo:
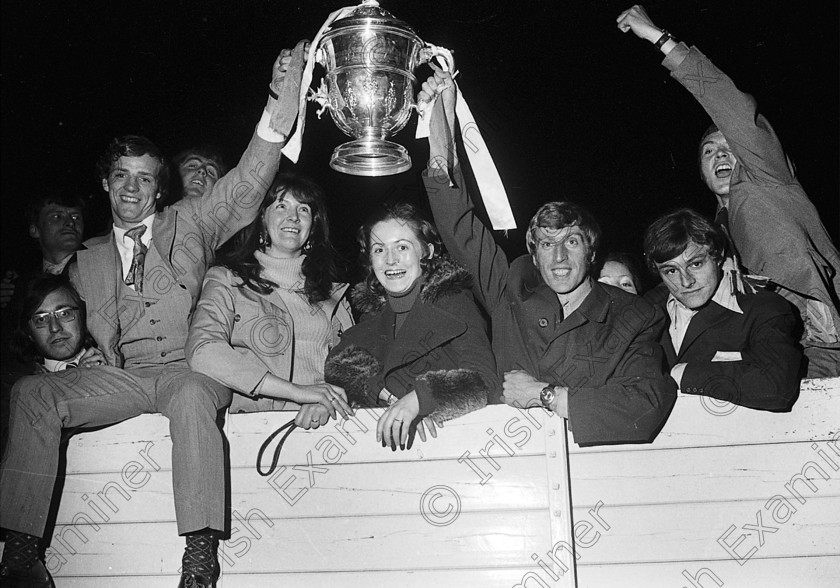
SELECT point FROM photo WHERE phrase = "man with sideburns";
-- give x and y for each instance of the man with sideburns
(140, 284)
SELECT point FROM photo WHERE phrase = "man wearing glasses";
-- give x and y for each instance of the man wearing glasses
(50, 334)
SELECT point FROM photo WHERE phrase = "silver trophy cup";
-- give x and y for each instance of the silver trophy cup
(370, 57)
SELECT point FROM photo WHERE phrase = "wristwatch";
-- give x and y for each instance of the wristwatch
(547, 396)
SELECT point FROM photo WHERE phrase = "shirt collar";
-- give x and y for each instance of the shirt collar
(57, 365)
(723, 297)
(146, 238)
(55, 268)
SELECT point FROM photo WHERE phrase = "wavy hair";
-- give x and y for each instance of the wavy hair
(559, 215)
(423, 230)
(134, 146)
(319, 268)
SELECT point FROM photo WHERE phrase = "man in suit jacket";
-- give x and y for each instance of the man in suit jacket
(774, 226)
(584, 350)
(140, 284)
(741, 348)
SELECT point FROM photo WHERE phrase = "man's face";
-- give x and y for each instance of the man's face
(692, 276)
(132, 186)
(58, 335)
(563, 257)
(716, 163)
(198, 175)
(59, 230)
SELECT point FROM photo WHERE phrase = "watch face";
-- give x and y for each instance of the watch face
(547, 396)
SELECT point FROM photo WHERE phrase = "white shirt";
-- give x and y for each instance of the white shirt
(58, 365)
(681, 317)
(125, 244)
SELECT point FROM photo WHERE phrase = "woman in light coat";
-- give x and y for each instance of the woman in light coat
(271, 310)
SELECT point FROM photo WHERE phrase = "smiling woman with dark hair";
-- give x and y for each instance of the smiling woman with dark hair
(272, 308)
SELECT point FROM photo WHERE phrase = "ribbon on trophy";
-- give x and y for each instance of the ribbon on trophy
(292, 147)
(486, 175)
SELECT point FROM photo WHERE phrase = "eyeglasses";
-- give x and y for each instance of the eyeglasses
(67, 314)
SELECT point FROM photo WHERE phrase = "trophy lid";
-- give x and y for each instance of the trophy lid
(369, 13)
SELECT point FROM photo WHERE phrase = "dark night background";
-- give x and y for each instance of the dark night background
(570, 107)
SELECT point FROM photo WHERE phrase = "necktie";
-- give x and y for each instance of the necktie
(135, 272)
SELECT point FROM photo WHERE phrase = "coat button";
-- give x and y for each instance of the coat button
(543, 322)
(148, 304)
(237, 318)
(159, 338)
(152, 321)
(163, 353)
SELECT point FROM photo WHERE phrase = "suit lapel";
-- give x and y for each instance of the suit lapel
(163, 237)
(99, 267)
(708, 317)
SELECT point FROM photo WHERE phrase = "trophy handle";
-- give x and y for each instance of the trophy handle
(444, 56)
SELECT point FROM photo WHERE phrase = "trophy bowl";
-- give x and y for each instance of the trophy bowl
(369, 58)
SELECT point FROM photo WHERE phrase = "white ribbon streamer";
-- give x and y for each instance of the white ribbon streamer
(292, 147)
(487, 177)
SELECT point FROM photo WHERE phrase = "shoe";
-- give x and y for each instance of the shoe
(195, 581)
(35, 576)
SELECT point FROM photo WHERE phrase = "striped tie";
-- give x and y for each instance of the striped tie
(135, 272)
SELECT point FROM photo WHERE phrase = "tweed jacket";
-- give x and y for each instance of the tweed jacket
(237, 336)
(751, 359)
(441, 351)
(775, 227)
(185, 235)
(606, 352)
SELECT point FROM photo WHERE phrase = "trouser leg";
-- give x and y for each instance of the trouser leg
(192, 402)
(40, 407)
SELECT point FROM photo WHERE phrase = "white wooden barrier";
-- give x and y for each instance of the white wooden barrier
(725, 496)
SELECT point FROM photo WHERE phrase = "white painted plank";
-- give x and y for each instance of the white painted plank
(483, 578)
(816, 572)
(476, 540)
(617, 535)
(810, 572)
(688, 532)
(495, 430)
(700, 474)
(338, 490)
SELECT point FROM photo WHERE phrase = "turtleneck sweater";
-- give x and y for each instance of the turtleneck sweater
(310, 325)
(401, 304)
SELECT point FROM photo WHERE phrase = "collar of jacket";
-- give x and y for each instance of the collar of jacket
(534, 290)
(163, 239)
(446, 279)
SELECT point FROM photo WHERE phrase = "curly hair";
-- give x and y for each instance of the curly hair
(423, 230)
(134, 146)
(319, 268)
(558, 215)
